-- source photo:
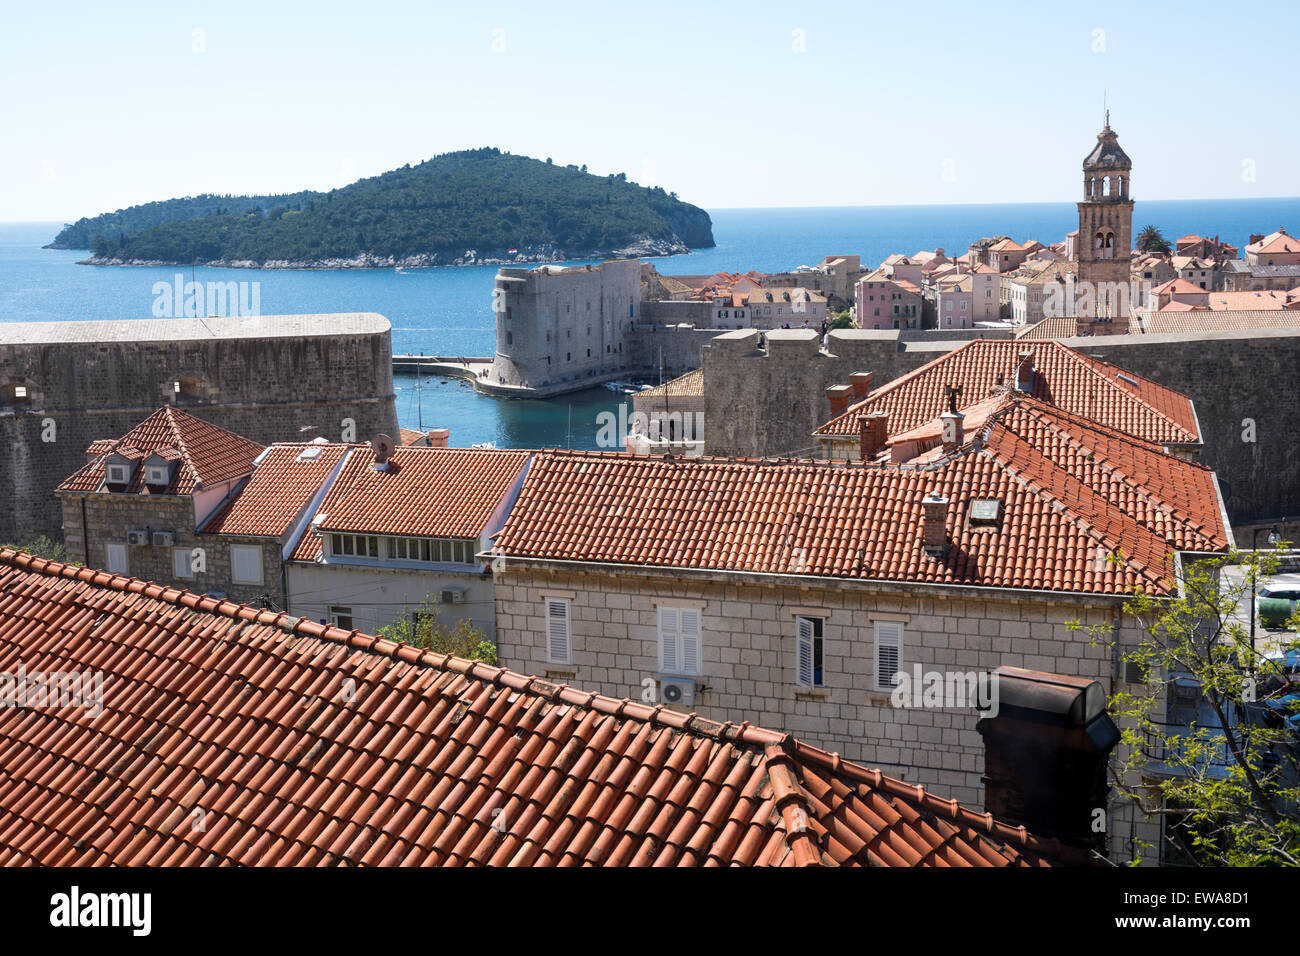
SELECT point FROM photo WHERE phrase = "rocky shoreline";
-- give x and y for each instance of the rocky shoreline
(641, 247)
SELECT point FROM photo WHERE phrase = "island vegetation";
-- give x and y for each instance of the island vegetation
(475, 205)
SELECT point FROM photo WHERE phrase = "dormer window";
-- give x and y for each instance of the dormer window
(156, 475)
(116, 474)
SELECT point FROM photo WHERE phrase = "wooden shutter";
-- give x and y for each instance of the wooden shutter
(557, 631)
(669, 630)
(690, 641)
(804, 653)
(889, 653)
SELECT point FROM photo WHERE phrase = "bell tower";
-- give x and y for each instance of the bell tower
(1105, 241)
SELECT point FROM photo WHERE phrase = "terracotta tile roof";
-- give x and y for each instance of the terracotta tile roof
(300, 744)
(1178, 287)
(427, 492)
(690, 385)
(409, 436)
(1007, 244)
(208, 454)
(281, 486)
(1176, 306)
(848, 520)
(1262, 300)
(1208, 321)
(1274, 243)
(1063, 377)
(1054, 327)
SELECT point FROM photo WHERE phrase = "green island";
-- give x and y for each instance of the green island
(469, 207)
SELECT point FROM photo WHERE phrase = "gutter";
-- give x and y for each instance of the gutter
(805, 581)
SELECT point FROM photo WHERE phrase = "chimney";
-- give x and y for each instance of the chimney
(839, 396)
(861, 385)
(873, 430)
(438, 437)
(1046, 741)
(934, 534)
(951, 431)
(1025, 372)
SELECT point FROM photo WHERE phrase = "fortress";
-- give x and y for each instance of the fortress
(563, 329)
(269, 378)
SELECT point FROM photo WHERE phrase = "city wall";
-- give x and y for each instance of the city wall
(1244, 384)
(270, 378)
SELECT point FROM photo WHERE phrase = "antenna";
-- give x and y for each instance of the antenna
(383, 447)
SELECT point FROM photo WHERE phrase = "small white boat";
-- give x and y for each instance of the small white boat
(484, 446)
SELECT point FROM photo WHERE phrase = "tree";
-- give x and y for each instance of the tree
(1150, 239)
(424, 629)
(1228, 790)
(843, 320)
(43, 547)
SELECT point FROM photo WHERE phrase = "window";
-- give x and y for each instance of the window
(679, 640)
(354, 545)
(246, 564)
(429, 550)
(809, 649)
(181, 564)
(889, 653)
(156, 475)
(117, 474)
(558, 638)
(116, 559)
(341, 616)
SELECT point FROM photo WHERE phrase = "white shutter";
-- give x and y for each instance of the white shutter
(690, 641)
(557, 630)
(116, 559)
(246, 564)
(804, 653)
(181, 563)
(669, 626)
(889, 653)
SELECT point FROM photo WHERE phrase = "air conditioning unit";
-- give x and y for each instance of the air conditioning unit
(677, 692)
(163, 539)
(453, 596)
(138, 538)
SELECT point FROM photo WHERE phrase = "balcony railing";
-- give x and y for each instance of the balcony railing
(1177, 748)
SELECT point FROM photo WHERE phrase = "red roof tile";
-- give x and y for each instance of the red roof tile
(1063, 377)
(298, 744)
(208, 454)
(281, 486)
(853, 521)
(427, 492)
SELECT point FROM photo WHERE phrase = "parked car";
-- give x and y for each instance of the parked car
(1276, 604)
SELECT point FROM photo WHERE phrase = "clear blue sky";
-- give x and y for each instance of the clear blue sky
(106, 105)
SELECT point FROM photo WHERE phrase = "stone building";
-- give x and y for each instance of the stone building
(397, 537)
(136, 506)
(563, 328)
(674, 416)
(270, 378)
(768, 402)
(795, 593)
(1048, 371)
(1105, 229)
(884, 302)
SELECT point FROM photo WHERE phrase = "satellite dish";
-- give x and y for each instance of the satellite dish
(383, 447)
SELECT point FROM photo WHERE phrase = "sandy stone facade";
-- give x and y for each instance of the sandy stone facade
(747, 666)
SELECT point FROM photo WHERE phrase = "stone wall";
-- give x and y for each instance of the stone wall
(747, 657)
(266, 378)
(108, 517)
(1244, 385)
